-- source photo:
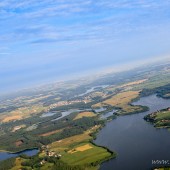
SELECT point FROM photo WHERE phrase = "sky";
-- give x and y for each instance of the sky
(43, 41)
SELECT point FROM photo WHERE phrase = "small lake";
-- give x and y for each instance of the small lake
(101, 109)
(66, 113)
(108, 114)
(48, 114)
(136, 141)
(93, 89)
(6, 155)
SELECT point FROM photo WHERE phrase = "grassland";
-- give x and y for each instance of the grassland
(122, 100)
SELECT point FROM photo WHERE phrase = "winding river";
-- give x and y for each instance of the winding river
(136, 142)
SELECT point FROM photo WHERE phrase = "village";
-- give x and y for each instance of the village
(48, 153)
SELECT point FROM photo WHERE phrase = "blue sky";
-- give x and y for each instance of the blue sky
(42, 41)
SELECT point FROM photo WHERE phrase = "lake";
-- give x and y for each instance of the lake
(136, 141)
(68, 112)
(108, 114)
(6, 155)
(92, 89)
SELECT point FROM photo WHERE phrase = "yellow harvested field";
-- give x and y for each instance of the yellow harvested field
(84, 114)
(81, 148)
(51, 133)
(18, 162)
(65, 143)
(18, 127)
(134, 83)
(122, 100)
(21, 113)
(12, 118)
(36, 99)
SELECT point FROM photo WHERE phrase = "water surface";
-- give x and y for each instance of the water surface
(136, 141)
(108, 114)
(93, 89)
(6, 155)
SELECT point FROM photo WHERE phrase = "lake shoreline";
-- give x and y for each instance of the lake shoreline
(123, 123)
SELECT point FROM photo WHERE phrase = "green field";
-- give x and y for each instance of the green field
(77, 150)
(160, 119)
(164, 115)
(94, 154)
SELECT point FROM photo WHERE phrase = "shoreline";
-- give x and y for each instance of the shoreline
(10, 152)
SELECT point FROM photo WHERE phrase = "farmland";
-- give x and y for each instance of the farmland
(84, 114)
(122, 101)
(75, 151)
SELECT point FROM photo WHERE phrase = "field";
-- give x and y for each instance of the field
(158, 80)
(21, 113)
(51, 133)
(85, 153)
(122, 100)
(133, 83)
(164, 115)
(17, 164)
(77, 150)
(81, 148)
(66, 144)
(84, 114)
(12, 118)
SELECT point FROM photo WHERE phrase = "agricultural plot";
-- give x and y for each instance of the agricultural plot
(77, 150)
(122, 100)
(84, 114)
(85, 154)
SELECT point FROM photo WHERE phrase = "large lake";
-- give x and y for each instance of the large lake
(136, 141)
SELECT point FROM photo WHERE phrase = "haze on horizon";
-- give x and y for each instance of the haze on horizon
(42, 41)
